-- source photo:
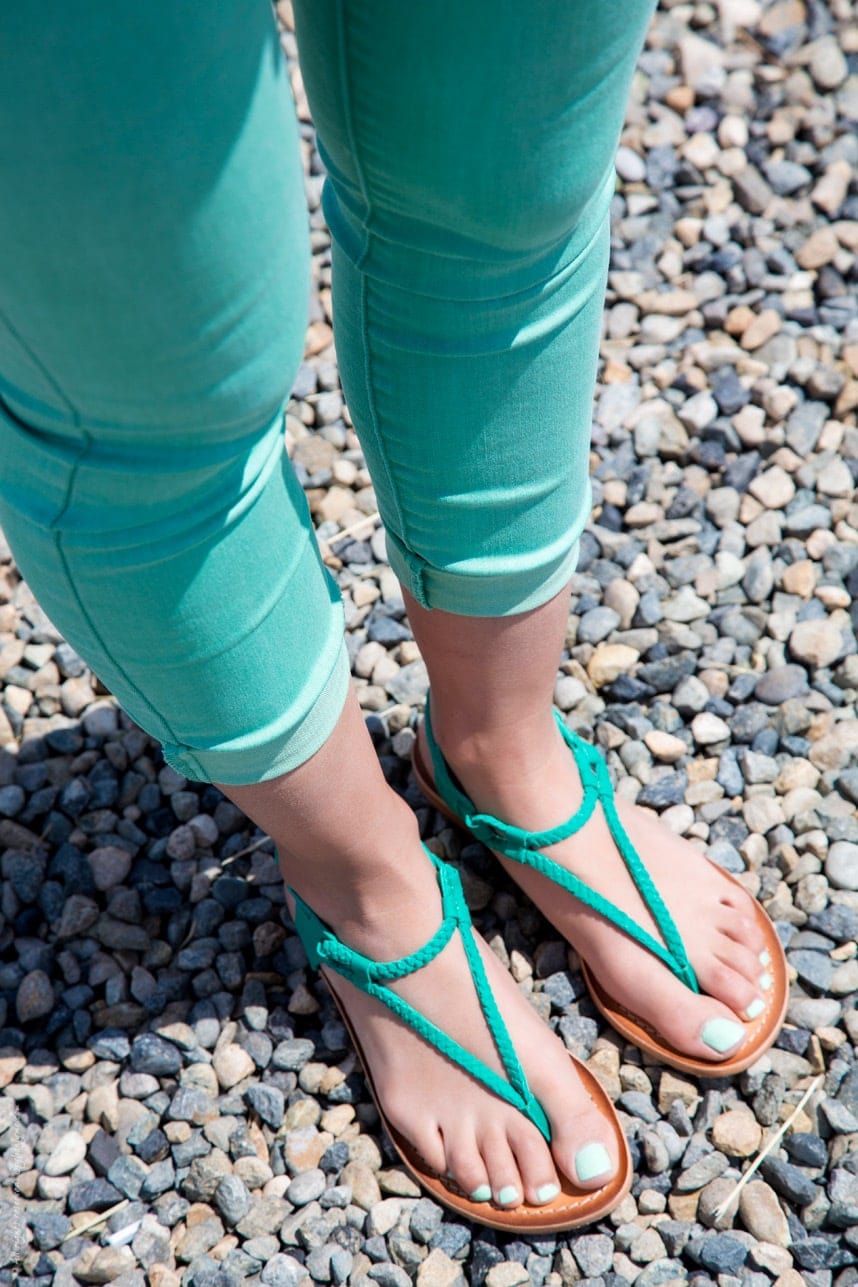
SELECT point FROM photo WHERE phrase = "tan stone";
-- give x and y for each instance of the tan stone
(817, 642)
(846, 232)
(671, 1086)
(304, 1147)
(665, 746)
(11, 1063)
(363, 1184)
(830, 192)
(604, 1064)
(232, 1064)
(397, 1183)
(739, 319)
(820, 248)
(683, 1206)
(762, 1214)
(610, 660)
(737, 1133)
(507, 1273)
(799, 578)
(440, 1270)
(763, 328)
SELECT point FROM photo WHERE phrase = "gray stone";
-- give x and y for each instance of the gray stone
(597, 624)
(232, 1199)
(777, 686)
(813, 1012)
(841, 1120)
(594, 1253)
(843, 1194)
(306, 1187)
(35, 996)
(268, 1102)
(812, 967)
(841, 865)
(701, 1172)
(389, 1275)
(152, 1054)
(410, 685)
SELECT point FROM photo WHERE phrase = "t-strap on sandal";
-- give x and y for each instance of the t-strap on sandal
(572, 1207)
(445, 794)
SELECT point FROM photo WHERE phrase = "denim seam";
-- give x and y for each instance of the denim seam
(345, 90)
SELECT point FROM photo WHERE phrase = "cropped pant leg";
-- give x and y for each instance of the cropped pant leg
(470, 151)
(154, 258)
(153, 278)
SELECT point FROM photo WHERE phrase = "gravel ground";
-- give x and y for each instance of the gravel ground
(179, 1101)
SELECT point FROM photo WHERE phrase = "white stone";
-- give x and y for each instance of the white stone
(68, 1154)
(707, 728)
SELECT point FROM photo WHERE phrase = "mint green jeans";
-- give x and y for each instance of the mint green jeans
(153, 289)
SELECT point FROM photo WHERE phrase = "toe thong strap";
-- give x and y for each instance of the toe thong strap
(523, 847)
(323, 947)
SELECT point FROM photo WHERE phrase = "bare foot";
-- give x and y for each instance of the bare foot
(533, 782)
(493, 1152)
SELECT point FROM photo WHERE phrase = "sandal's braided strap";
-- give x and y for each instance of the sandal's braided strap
(323, 947)
(522, 847)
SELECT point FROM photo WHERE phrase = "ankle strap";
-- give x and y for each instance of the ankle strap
(524, 846)
(323, 947)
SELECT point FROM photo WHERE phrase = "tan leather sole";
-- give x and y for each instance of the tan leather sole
(572, 1207)
(761, 1032)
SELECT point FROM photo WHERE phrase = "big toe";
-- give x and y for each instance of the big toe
(585, 1149)
(696, 1024)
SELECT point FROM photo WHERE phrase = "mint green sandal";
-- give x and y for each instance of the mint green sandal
(446, 794)
(571, 1207)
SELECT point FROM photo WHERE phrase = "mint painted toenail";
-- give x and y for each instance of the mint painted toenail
(481, 1194)
(765, 982)
(765, 958)
(756, 1007)
(590, 1161)
(547, 1192)
(720, 1034)
(508, 1195)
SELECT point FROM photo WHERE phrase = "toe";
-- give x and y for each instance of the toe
(535, 1165)
(721, 979)
(584, 1150)
(501, 1168)
(428, 1142)
(693, 1023)
(466, 1165)
(736, 920)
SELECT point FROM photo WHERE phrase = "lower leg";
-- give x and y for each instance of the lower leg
(492, 713)
(349, 846)
(346, 842)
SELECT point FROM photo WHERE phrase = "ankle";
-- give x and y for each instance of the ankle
(372, 894)
(500, 750)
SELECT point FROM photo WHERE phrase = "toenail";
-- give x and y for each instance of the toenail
(721, 1034)
(756, 1007)
(481, 1194)
(547, 1192)
(508, 1195)
(765, 958)
(590, 1161)
(765, 981)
